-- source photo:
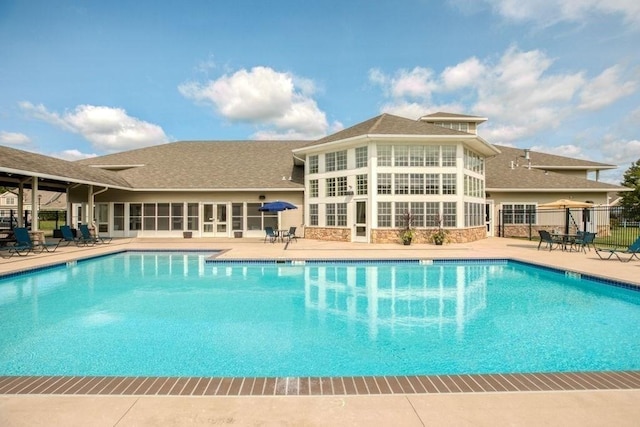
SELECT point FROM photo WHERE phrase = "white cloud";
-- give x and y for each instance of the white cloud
(414, 84)
(14, 138)
(605, 89)
(462, 75)
(567, 150)
(518, 92)
(279, 102)
(548, 12)
(621, 152)
(108, 129)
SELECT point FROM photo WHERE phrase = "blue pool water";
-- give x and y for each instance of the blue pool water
(169, 314)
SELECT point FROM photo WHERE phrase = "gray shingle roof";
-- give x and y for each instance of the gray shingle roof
(388, 124)
(500, 175)
(40, 165)
(209, 165)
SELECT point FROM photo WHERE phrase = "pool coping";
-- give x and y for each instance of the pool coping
(316, 386)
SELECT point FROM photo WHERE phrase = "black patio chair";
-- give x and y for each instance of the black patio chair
(546, 237)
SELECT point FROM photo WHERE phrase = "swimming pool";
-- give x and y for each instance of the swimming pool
(173, 314)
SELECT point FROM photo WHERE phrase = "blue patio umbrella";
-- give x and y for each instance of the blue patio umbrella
(277, 206)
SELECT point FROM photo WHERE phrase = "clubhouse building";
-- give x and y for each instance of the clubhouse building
(356, 185)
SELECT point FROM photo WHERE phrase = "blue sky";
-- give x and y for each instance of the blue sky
(84, 78)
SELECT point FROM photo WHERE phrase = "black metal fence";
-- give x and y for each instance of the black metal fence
(613, 225)
(56, 217)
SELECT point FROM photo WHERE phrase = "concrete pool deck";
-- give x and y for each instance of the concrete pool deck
(584, 408)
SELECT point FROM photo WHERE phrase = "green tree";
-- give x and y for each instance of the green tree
(631, 199)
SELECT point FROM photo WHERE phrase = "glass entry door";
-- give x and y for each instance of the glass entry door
(214, 220)
(360, 226)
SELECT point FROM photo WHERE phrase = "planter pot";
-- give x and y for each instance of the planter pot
(439, 243)
(406, 242)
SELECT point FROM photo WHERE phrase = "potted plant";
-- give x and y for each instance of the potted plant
(408, 233)
(440, 234)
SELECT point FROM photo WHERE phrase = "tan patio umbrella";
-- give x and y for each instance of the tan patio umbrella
(564, 204)
(567, 205)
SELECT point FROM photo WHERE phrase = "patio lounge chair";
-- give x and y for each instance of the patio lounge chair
(24, 240)
(546, 237)
(632, 251)
(269, 234)
(96, 238)
(10, 250)
(68, 237)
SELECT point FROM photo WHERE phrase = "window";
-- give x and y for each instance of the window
(432, 214)
(401, 209)
(449, 183)
(448, 155)
(460, 126)
(341, 211)
(384, 155)
(521, 213)
(149, 216)
(313, 188)
(341, 160)
(313, 164)
(336, 214)
(401, 155)
(254, 217)
(101, 214)
(330, 212)
(335, 161)
(417, 210)
(432, 155)
(432, 183)
(473, 214)
(361, 157)
(177, 216)
(330, 187)
(313, 214)
(193, 216)
(118, 216)
(416, 155)
(449, 214)
(416, 183)
(473, 186)
(162, 221)
(330, 162)
(384, 183)
(384, 214)
(135, 216)
(341, 186)
(473, 161)
(237, 214)
(361, 184)
(401, 183)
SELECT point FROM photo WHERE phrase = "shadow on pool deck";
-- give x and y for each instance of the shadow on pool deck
(592, 407)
